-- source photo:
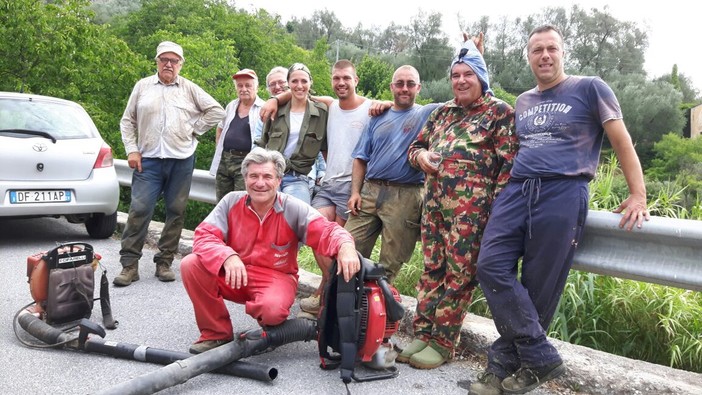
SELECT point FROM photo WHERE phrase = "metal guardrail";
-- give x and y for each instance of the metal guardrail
(202, 188)
(664, 251)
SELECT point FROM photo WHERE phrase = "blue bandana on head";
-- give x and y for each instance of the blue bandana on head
(470, 55)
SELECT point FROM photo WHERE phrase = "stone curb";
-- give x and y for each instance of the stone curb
(589, 371)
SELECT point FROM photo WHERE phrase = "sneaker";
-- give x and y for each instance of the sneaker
(411, 349)
(310, 304)
(164, 272)
(429, 358)
(488, 384)
(200, 347)
(526, 379)
(128, 275)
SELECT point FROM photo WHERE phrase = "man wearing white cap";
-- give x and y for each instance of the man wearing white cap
(164, 116)
(236, 133)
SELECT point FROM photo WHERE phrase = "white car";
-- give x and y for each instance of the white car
(54, 163)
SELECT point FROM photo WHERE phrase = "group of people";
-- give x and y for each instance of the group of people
(480, 183)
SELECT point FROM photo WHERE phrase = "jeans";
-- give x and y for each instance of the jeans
(297, 185)
(171, 179)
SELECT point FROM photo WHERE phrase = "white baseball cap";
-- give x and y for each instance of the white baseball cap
(169, 46)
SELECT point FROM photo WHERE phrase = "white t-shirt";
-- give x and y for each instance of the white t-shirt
(344, 128)
(295, 125)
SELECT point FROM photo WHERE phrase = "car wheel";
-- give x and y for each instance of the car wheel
(101, 226)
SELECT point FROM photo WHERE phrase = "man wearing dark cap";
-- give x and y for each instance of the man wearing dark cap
(236, 133)
(164, 116)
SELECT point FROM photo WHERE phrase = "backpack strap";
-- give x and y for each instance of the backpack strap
(107, 319)
(348, 311)
(327, 326)
(349, 296)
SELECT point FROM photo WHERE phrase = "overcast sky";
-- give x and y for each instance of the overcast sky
(673, 27)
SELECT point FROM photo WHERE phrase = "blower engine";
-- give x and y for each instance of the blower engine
(356, 321)
(375, 350)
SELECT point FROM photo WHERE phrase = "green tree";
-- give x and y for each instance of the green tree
(431, 52)
(394, 39)
(322, 25)
(505, 43)
(679, 160)
(600, 44)
(596, 43)
(374, 76)
(682, 83)
(651, 109)
(438, 91)
(106, 10)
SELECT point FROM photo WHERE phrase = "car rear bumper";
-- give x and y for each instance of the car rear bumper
(97, 194)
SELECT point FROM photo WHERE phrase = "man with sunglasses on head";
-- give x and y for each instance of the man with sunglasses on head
(164, 116)
(386, 192)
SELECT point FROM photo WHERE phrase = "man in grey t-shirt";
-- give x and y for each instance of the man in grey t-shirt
(348, 116)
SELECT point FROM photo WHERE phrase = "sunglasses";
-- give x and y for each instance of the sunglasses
(172, 61)
(402, 84)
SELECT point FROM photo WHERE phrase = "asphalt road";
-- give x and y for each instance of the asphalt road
(159, 315)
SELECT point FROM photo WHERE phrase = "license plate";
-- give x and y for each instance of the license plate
(51, 196)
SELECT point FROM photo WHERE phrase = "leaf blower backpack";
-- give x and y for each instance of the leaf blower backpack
(61, 282)
(356, 320)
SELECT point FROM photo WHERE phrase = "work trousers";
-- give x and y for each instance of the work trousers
(392, 212)
(540, 220)
(229, 177)
(267, 297)
(450, 244)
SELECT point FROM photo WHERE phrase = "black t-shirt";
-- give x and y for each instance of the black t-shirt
(238, 136)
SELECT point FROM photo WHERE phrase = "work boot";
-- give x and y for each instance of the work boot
(164, 272)
(200, 347)
(526, 379)
(310, 304)
(428, 358)
(411, 349)
(488, 384)
(128, 275)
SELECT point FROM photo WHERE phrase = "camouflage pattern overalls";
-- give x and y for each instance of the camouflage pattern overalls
(477, 145)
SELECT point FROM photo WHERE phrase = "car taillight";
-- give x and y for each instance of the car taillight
(104, 158)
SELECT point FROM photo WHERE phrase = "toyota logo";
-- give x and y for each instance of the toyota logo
(40, 147)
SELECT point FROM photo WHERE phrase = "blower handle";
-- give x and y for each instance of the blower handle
(395, 310)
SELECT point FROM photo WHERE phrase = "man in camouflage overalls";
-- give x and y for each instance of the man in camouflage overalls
(466, 148)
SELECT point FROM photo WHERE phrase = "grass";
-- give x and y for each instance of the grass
(649, 322)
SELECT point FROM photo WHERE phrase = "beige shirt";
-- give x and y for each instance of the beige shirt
(163, 121)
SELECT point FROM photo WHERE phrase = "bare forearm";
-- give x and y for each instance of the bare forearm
(358, 174)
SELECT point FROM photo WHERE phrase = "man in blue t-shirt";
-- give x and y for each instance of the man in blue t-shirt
(539, 216)
(386, 192)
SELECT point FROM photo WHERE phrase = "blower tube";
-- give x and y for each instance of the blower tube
(52, 336)
(245, 369)
(43, 331)
(247, 344)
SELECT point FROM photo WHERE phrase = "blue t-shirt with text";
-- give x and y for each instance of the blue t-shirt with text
(561, 129)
